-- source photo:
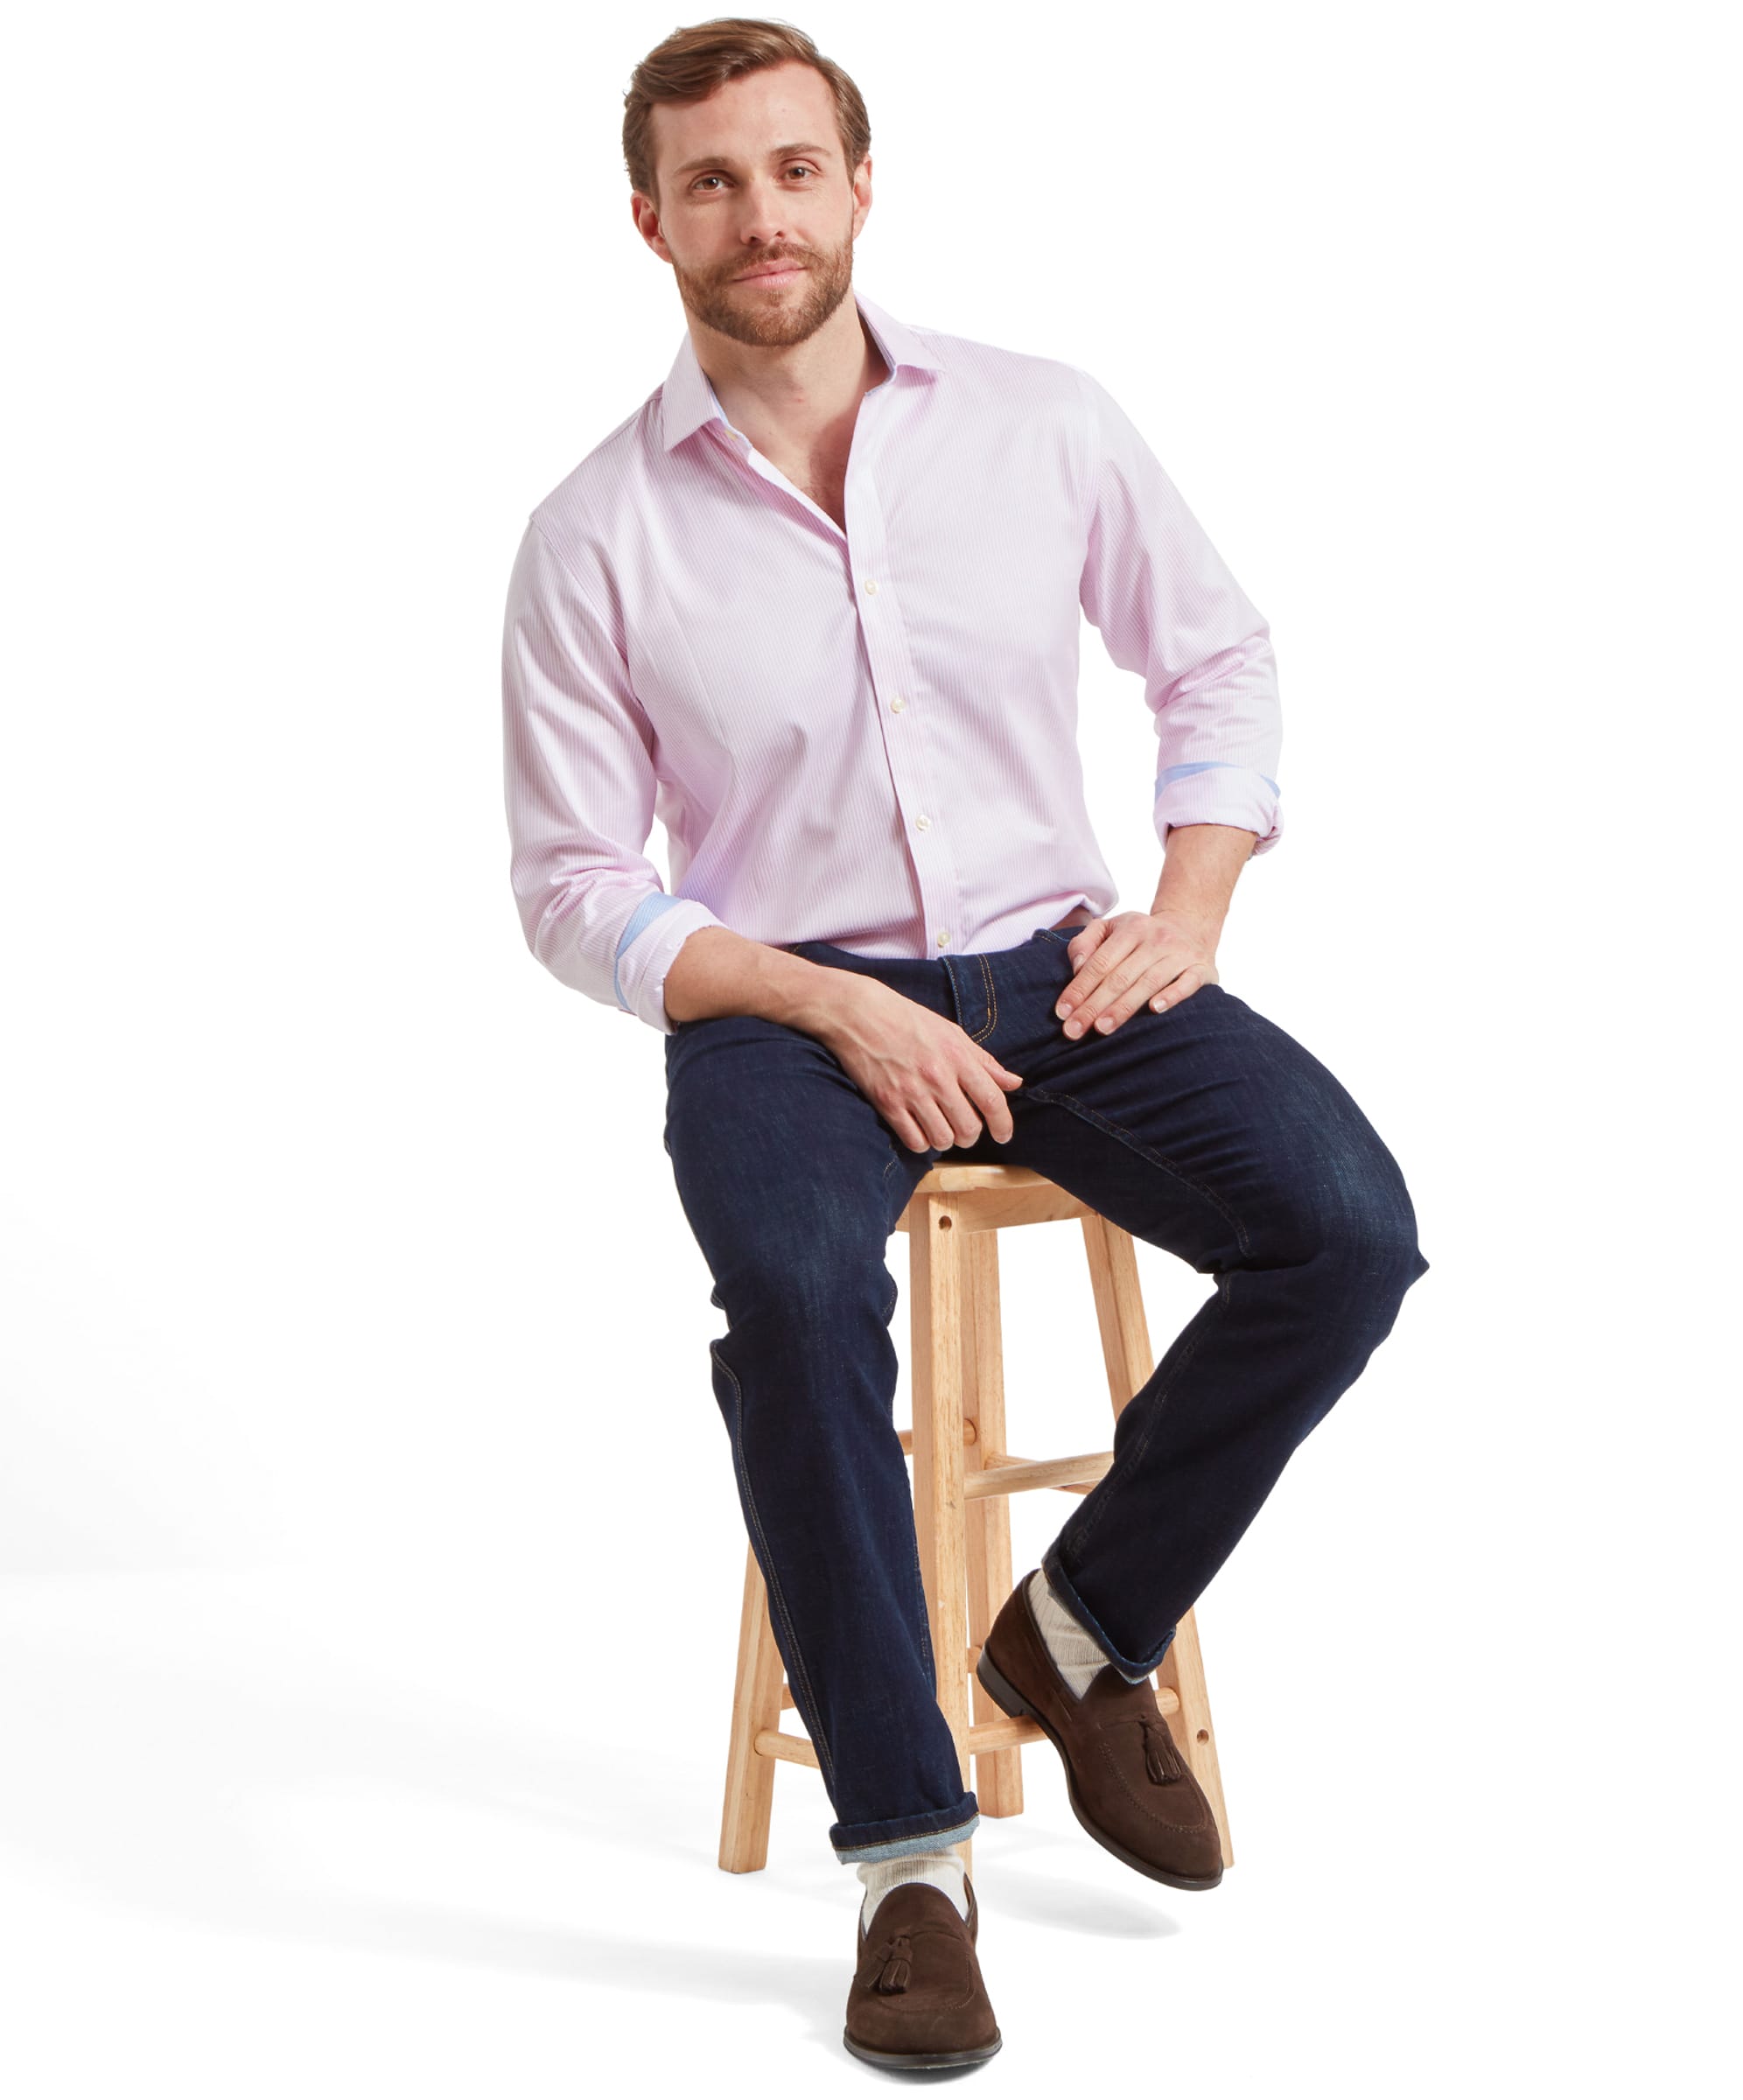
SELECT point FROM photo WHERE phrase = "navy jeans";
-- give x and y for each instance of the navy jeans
(1204, 1130)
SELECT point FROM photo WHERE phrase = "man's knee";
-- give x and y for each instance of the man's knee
(1366, 1254)
(808, 1363)
(1346, 1226)
(820, 1289)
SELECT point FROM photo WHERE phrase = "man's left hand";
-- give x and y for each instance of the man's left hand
(1131, 960)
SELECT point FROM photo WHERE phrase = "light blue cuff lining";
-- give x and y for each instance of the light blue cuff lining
(1180, 773)
(643, 917)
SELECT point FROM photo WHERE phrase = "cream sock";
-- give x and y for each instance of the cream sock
(1076, 1655)
(941, 1870)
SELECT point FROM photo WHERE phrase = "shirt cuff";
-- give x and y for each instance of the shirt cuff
(1214, 792)
(657, 930)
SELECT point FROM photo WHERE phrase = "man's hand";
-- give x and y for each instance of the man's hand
(1161, 957)
(928, 1082)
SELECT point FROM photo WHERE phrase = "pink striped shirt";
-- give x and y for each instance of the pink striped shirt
(866, 737)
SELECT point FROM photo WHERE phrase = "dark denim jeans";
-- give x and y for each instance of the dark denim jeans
(1204, 1130)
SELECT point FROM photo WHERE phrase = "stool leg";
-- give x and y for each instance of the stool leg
(938, 1258)
(1125, 1347)
(756, 1706)
(1182, 1669)
(998, 1774)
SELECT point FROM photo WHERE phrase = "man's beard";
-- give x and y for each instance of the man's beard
(771, 319)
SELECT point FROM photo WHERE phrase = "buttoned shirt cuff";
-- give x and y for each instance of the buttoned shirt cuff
(1214, 792)
(654, 932)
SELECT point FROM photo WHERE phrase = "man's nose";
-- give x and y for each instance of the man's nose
(763, 211)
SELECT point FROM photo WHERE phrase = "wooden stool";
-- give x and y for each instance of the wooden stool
(962, 1474)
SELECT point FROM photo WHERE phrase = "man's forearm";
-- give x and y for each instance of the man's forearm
(717, 971)
(1200, 866)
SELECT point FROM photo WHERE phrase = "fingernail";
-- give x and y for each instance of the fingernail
(1063, 1008)
(1073, 1028)
(1105, 1023)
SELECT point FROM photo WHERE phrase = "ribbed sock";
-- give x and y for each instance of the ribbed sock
(942, 1870)
(1077, 1655)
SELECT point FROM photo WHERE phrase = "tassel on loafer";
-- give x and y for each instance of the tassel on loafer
(1128, 1783)
(917, 2001)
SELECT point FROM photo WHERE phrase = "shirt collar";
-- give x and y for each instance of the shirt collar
(687, 401)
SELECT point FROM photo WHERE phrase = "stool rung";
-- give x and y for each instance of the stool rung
(1077, 1475)
(791, 1749)
(1000, 1473)
(1167, 1701)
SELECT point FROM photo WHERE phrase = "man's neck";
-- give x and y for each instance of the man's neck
(794, 398)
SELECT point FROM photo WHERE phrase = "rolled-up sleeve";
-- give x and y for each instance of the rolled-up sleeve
(579, 784)
(1168, 608)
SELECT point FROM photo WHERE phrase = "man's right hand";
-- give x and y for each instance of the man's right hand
(928, 1082)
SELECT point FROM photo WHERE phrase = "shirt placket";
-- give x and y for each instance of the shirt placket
(901, 702)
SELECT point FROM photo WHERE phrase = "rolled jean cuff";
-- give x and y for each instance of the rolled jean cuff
(1129, 1668)
(855, 1843)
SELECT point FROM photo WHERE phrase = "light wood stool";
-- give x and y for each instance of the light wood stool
(962, 1474)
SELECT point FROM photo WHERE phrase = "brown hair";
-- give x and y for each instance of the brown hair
(693, 62)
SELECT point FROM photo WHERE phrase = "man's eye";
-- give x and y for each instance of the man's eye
(799, 167)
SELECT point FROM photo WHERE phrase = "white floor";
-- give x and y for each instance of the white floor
(276, 1831)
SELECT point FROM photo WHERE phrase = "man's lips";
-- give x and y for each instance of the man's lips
(775, 271)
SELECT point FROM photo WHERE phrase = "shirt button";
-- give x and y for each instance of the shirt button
(922, 823)
(944, 937)
(871, 587)
(898, 704)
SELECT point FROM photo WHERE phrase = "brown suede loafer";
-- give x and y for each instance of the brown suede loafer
(918, 2003)
(1129, 1785)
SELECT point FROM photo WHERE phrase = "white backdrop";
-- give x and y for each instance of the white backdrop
(368, 1555)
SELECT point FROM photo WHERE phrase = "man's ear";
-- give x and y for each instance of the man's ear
(861, 195)
(645, 217)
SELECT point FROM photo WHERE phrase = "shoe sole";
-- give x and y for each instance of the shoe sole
(922, 2059)
(1019, 1708)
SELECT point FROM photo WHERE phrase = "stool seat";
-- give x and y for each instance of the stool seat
(963, 1475)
